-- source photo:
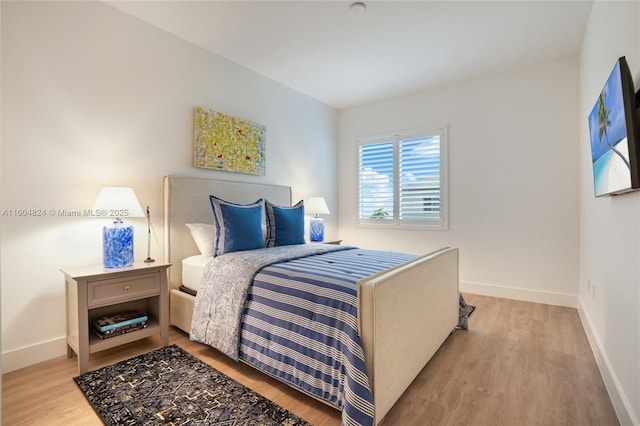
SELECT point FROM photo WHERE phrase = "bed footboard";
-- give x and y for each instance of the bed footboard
(405, 314)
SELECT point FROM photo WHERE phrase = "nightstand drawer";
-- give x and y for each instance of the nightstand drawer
(105, 292)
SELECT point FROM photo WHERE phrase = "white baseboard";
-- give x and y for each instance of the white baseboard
(619, 399)
(527, 295)
(30, 355)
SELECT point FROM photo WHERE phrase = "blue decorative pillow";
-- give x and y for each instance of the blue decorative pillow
(238, 226)
(285, 225)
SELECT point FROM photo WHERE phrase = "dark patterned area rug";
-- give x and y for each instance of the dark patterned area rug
(170, 386)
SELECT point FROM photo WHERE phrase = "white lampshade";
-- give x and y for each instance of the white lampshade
(117, 201)
(316, 206)
(117, 238)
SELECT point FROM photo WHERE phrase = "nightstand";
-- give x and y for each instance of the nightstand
(93, 292)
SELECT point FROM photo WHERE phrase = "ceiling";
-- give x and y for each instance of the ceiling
(341, 58)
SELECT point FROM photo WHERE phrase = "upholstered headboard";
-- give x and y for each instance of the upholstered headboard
(186, 200)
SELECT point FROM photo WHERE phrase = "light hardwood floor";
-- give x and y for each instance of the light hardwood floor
(519, 364)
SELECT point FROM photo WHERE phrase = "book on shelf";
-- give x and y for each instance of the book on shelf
(118, 320)
(118, 331)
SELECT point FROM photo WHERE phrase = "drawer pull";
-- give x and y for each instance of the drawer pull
(126, 287)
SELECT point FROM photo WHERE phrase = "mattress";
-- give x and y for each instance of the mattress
(192, 268)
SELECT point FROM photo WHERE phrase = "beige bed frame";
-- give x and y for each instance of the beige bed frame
(405, 313)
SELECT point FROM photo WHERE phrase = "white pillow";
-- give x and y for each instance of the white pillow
(204, 235)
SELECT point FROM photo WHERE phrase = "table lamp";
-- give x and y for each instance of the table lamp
(117, 238)
(316, 206)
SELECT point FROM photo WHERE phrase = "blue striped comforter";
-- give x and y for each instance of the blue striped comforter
(226, 281)
(300, 325)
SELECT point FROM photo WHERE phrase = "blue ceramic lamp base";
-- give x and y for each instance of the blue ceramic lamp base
(316, 229)
(117, 240)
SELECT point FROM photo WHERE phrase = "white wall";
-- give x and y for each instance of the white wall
(610, 227)
(93, 97)
(513, 179)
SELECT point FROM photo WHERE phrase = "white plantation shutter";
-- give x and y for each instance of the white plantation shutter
(376, 180)
(402, 179)
(419, 178)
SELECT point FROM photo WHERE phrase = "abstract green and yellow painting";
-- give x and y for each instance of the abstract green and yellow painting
(226, 143)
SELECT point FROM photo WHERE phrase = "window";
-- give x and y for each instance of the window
(402, 179)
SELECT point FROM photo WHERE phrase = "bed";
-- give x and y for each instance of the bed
(404, 312)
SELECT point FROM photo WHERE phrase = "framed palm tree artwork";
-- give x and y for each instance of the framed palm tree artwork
(613, 127)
